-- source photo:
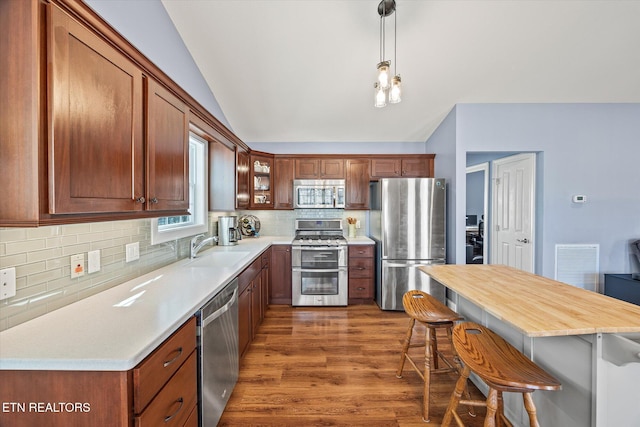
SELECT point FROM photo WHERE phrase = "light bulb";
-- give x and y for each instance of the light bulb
(380, 96)
(395, 94)
(383, 74)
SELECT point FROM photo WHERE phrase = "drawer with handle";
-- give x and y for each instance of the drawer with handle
(175, 402)
(154, 371)
(360, 288)
(361, 251)
(360, 267)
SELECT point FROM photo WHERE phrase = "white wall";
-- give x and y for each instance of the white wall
(443, 144)
(589, 149)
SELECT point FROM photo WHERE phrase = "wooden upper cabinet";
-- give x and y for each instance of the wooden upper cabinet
(261, 181)
(283, 170)
(315, 168)
(242, 178)
(418, 166)
(386, 168)
(222, 183)
(357, 183)
(167, 150)
(95, 123)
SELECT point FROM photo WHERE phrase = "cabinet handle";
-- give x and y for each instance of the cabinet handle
(360, 268)
(169, 362)
(360, 288)
(170, 417)
(141, 199)
(154, 200)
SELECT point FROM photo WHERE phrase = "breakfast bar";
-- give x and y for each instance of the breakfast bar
(589, 341)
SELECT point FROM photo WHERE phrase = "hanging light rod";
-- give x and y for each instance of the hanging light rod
(386, 7)
(387, 88)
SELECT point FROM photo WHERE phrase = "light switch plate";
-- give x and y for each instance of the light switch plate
(7, 283)
(93, 261)
(77, 265)
(132, 251)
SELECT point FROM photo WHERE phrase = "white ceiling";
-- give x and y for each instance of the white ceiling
(303, 70)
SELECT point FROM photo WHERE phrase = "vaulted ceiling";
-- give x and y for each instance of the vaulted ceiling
(303, 70)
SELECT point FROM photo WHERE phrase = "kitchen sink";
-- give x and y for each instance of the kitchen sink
(218, 259)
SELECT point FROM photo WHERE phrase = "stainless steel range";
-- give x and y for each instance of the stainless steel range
(319, 263)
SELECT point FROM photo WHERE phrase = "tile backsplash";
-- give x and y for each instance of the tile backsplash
(282, 223)
(41, 256)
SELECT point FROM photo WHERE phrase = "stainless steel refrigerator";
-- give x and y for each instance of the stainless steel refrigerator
(407, 221)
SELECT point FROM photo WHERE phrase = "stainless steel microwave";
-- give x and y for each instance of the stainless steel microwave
(318, 193)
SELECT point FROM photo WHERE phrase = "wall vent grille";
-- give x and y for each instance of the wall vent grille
(578, 265)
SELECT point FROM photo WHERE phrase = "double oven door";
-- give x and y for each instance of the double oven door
(319, 275)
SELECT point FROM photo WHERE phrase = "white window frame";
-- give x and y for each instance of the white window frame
(198, 200)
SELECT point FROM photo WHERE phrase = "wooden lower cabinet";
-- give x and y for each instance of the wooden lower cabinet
(251, 301)
(192, 421)
(165, 388)
(266, 281)
(175, 401)
(244, 320)
(361, 273)
(256, 303)
(280, 284)
(151, 394)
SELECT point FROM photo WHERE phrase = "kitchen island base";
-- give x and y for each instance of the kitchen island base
(597, 390)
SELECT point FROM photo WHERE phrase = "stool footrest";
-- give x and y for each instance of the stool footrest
(434, 316)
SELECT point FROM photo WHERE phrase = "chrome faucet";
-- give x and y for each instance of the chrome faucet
(195, 246)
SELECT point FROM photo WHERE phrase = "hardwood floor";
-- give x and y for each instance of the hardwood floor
(334, 366)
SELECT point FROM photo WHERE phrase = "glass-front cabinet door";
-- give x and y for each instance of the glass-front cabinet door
(261, 179)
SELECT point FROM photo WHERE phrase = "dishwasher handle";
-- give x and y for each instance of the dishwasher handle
(219, 312)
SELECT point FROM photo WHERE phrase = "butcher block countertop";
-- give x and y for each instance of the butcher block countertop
(536, 305)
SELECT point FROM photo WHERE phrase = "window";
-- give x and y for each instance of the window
(176, 227)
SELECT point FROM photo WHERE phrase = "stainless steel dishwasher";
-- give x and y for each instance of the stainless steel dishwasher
(218, 353)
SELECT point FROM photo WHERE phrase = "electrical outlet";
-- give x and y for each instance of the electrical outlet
(358, 224)
(7, 283)
(77, 265)
(132, 251)
(93, 261)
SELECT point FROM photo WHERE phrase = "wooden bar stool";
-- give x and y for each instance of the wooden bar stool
(422, 307)
(501, 367)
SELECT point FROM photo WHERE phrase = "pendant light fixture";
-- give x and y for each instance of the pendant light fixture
(387, 88)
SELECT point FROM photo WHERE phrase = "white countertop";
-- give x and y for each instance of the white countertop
(116, 329)
(360, 240)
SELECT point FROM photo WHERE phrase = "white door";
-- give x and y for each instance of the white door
(513, 211)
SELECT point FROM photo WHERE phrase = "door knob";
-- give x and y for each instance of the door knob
(525, 240)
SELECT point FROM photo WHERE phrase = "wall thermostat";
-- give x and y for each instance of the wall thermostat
(579, 198)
